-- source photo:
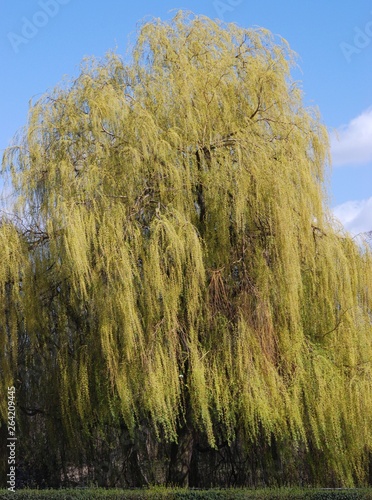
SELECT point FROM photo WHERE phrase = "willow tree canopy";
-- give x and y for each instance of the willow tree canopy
(173, 260)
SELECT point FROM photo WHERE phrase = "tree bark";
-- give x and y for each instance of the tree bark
(181, 455)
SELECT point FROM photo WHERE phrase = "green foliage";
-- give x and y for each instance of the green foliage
(172, 256)
(170, 494)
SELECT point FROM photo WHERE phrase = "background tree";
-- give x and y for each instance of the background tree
(175, 284)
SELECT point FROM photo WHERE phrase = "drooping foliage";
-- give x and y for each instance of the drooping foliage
(173, 264)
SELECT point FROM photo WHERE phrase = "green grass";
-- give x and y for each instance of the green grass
(183, 494)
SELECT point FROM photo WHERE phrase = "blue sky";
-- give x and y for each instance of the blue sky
(41, 41)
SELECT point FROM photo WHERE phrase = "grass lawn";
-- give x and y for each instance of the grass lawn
(183, 494)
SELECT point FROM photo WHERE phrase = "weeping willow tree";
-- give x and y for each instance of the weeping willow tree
(172, 262)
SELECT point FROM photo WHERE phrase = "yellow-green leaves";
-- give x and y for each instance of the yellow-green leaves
(175, 259)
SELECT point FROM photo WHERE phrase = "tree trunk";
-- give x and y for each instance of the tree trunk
(181, 455)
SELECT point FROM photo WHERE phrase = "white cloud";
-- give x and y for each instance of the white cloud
(355, 216)
(352, 143)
